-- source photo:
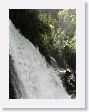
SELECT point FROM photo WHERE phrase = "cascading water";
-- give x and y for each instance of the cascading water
(35, 79)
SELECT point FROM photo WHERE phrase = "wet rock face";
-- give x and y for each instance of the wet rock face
(14, 91)
(69, 82)
(12, 94)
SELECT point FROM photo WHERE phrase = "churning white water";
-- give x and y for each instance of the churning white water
(35, 78)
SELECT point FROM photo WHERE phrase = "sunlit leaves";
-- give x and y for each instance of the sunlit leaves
(60, 42)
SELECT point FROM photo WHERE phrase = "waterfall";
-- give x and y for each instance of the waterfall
(35, 79)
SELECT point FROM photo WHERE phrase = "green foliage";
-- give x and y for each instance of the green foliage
(65, 37)
(67, 21)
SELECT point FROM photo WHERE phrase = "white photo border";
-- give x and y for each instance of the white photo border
(79, 102)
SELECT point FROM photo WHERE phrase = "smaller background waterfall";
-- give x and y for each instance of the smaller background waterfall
(42, 54)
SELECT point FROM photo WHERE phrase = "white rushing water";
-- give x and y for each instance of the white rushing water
(35, 78)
